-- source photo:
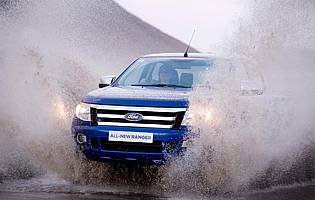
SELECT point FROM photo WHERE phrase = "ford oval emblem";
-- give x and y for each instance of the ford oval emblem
(134, 117)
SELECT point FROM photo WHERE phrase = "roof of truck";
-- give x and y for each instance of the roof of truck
(190, 55)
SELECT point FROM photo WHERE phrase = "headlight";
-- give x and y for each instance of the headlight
(82, 111)
(187, 118)
(204, 117)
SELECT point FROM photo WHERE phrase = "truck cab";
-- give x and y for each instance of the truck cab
(141, 114)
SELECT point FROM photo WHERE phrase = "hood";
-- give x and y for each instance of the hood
(139, 96)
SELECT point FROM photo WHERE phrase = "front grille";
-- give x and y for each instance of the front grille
(155, 147)
(152, 117)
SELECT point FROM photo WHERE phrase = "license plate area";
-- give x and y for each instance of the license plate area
(123, 136)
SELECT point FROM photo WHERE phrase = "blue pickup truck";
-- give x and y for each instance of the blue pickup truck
(140, 115)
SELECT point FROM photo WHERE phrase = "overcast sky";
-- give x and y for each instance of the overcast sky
(214, 20)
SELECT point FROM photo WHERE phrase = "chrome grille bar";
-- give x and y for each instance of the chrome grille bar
(134, 125)
(151, 117)
(113, 116)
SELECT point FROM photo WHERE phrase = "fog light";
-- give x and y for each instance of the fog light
(81, 138)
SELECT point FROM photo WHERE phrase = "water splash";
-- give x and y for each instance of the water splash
(248, 141)
(52, 53)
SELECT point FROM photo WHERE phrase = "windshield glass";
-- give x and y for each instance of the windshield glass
(164, 72)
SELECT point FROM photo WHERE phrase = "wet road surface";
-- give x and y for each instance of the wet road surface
(52, 187)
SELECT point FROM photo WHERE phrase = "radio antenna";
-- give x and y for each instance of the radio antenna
(186, 52)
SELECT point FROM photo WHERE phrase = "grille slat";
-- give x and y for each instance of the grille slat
(154, 117)
(139, 122)
(114, 116)
(134, 125)
(144, 113)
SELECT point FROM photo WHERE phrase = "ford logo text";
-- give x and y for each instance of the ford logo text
(134, 117)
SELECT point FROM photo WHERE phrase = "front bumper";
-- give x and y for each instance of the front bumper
(166, 143)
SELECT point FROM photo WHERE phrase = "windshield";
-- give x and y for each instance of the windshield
(164, 72)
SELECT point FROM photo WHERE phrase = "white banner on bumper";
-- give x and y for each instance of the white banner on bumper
(121, 136)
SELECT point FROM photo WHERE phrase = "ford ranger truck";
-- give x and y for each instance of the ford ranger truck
(140, 115)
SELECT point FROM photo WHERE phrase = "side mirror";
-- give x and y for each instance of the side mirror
(252, 88)
(106, 81)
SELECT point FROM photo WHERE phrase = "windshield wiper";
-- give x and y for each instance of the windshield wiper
(161, 85)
